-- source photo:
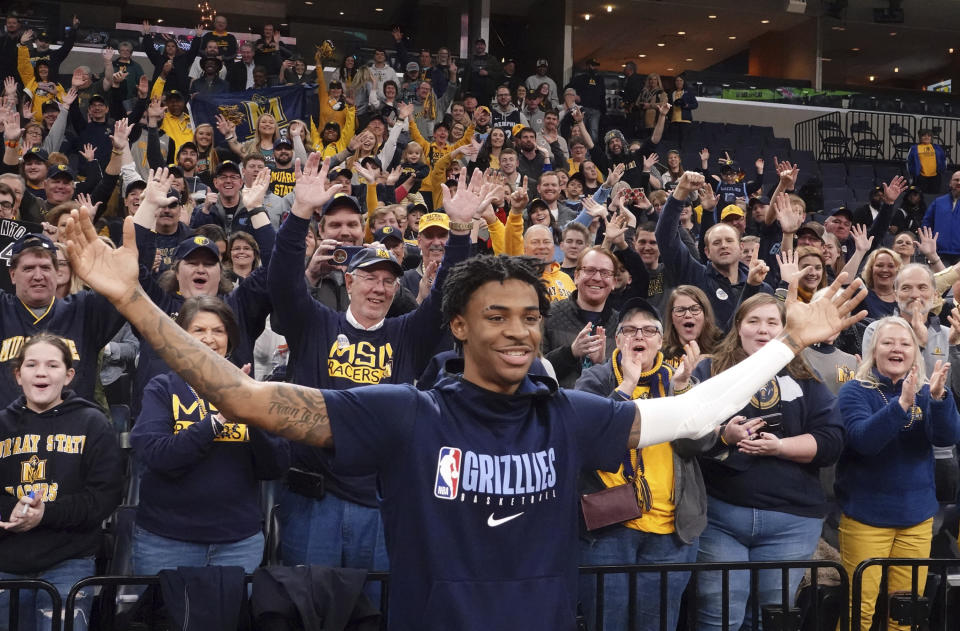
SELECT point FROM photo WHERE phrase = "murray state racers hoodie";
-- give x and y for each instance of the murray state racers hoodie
(69, 457)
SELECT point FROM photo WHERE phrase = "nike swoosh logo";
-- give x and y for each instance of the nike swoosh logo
(493, 522)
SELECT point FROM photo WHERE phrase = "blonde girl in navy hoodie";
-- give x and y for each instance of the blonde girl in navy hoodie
(60, 477)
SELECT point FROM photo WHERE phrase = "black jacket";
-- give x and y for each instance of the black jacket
(312, 597)
(69, 456)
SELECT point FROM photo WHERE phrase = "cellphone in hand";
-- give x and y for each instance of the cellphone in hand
(771, 422)
(343, 254)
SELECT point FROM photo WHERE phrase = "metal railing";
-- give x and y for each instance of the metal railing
(917, 609)
(109, 587)
(15, 586)
(789, 615)
(807, 135)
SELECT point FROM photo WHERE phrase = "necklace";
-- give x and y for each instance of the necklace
(915, 412)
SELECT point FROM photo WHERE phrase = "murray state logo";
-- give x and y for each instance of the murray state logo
(448, 473)
(767, 397)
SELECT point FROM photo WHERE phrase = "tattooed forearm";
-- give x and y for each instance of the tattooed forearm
(634, 438)
(790, 342)
(295, 412)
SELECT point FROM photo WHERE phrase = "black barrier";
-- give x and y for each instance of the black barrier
(823, 135)
(15, 586)
(109, 585)
(917, 608)
(786, 619)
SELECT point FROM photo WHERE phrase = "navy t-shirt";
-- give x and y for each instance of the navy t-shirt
(479, 495)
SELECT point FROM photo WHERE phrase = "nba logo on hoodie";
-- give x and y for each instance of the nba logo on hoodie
(448, 473)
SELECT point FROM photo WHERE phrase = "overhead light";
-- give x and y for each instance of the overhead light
(681, 32)
(732, 37)
(661, 44)
(378, 10)
(669, 69)
(309, 3)
(341, 13)
(587, 16)
(856, 50)
(642, 55)
(712, 17)
(871, 77)
(950, 50)
(896, 69)
(893, 33)
(710, 49)
(838, 28)
(764, 21)
(160, 21)
(623, 65)
(609, 8)
(688, 59)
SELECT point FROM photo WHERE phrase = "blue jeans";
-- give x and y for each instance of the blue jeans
(152, 553)
(35, 607)
(619, 545)
(738, 534)
(591, 118)
(331, 532)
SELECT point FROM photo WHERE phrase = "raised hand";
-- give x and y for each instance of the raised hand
(787, 173)
(790, 219)
(394, 175)
(10, 86)
(708, 199)
(928, 242)
(85, 200)
(689, 361)
(121, 134)
(615, 229)
(954, 319)
(470, 197)
(397, 34)
(26, 37)
(520, 198)
(585, 343)
(663, 108)
(893, 190)
(107, 54)
(167, 67)
(704, 156)
(225, 127)
(758, 272)
(908, 392)
(143, 87)
(759, 164)
(614, 176)
(688, 182)
(593, 208)
(11, 125)
(821, 319)
(252, 196)
(89, 154)
(404, 110)
(114, 273)
(117, 78)
(368, 174)
(146, 27)
(155, 110)
(789, 269)
(312, 190)
(70, 97)
(938, 380)
(861, 238)
(649, 161)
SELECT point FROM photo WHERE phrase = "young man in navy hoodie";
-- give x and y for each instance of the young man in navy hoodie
(478, 476)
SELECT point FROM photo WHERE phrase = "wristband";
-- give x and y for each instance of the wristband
(117, 152)
(13, 144)
(463, 227)
(256, 211)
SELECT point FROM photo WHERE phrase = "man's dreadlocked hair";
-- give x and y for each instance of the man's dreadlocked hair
(466, 277)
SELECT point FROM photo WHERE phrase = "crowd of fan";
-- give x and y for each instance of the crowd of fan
(659, 276)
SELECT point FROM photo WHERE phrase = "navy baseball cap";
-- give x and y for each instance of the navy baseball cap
(61, 170)
(50, 106)
(843, 210)
(175, 94)
(32, 240)
(343, 201)
(228, 164)
(639, 304)
(335, 173)
(536, 202)
(191, 245)
(137, 185)
(175, 170)
(188, 145)
(387, 232)
(36, 153)
(283, 141)
(370, 257)
(98, 97)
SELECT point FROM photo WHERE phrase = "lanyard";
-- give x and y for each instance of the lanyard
(200, 403)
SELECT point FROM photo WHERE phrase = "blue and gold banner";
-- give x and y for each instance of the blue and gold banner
(244, 109)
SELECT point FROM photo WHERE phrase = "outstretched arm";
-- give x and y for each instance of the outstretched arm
(698, 412)
(294, 412)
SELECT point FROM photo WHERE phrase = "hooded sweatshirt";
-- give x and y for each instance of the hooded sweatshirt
(69, 457)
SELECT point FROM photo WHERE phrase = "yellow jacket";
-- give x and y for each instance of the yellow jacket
(434, 153)
(559, 284)
(179, 129)
(347, 131)
(513, 236)
(29, 78)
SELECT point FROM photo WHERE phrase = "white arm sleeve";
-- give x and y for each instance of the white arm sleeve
(696, 413)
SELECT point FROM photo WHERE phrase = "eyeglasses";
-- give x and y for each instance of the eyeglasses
(692, 310)
(591, 271)
(6, 205)
(643, 331)
(386, 283)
